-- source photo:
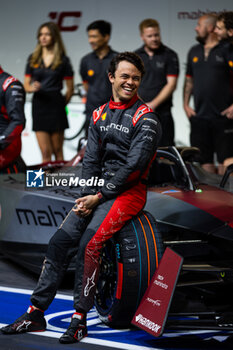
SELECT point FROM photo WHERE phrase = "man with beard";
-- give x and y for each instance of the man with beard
(94, 67)
(208, 80)
(160, 80)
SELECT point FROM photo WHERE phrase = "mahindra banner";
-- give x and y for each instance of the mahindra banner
(20, 20)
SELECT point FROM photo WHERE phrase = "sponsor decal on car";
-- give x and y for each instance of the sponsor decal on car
(140, 319)
(154, 302)
(159, 293)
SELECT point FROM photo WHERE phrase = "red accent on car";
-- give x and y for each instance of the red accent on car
(212, 200)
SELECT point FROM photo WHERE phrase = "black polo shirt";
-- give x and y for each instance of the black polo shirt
(94, 71)
(158, 67)
(211, 77)
(230, 61)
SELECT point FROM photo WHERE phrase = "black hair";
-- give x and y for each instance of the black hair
(102, 26)
(227, 18)
(130, 57)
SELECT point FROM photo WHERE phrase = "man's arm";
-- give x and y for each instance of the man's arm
(188, 86)
(165, 93)
(85, 85)
(187, 92)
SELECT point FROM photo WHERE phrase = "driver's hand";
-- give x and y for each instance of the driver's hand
(81, 210)
(88, 202)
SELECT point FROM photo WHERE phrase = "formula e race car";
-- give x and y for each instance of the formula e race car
(187, 210)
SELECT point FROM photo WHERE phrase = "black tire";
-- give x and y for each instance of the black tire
(128, 264)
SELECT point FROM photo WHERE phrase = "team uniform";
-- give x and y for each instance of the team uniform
(212, 92)
(230, 61)
(12, 122)
(48, 104)
(122, 142)
(162, 64)
(94, 71)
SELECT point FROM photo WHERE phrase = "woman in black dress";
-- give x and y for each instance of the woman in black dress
(46, 69)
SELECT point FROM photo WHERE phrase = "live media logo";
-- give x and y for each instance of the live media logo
(35, 178)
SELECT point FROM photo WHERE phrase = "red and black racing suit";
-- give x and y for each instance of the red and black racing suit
(12, 121)
(122, 143)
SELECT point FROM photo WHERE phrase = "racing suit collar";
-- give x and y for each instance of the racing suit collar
(1, 70)
(123, 105)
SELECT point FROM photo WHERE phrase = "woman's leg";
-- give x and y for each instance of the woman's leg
(57, 139)
(45, 144)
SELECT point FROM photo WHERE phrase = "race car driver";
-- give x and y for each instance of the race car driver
(12, 121)
(122, 140)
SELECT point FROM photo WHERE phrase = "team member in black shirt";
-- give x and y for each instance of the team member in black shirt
(94, 67)
(224, 31)
(162, 70)
(208, 80)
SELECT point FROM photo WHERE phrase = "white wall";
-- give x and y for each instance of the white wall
(19, 20)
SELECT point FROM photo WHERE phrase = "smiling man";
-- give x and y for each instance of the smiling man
(224, 26)
(94, 66)
(122, 141)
